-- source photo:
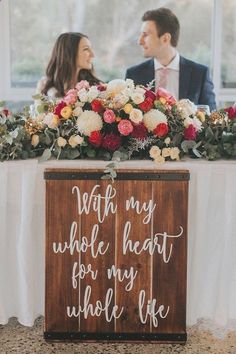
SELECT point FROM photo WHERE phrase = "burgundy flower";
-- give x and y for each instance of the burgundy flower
(146, 105)
(6, 112)
(97, 106)
(111, 141)
(95, 138)
(161, 130)
(190, 133)
(139, 132)
(101, 87)
(150, 94)
(59, 107)
(231, 112)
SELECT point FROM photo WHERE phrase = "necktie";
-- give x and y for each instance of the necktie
(163, 72)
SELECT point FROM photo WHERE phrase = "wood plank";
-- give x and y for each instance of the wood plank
(101, 288)
(141, 192)
(169, 276)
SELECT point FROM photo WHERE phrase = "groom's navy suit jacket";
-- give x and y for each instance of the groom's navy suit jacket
(194, 80)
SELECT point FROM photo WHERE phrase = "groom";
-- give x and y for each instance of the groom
(180, 76)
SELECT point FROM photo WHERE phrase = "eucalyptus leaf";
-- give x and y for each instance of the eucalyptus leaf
(9, 139)
(91, 153)
(106, 177)
(73, 153)
(197, 153)
(46, 155)
(187, 145)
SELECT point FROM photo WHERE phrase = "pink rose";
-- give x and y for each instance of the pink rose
(125, 127)
(71, 97)
(109, 116)
(83, 84)
(166, 95)
(190, 133)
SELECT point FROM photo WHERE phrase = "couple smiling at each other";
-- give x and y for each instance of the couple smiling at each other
(72, 61)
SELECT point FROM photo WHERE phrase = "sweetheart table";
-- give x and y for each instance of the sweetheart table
(211, 283)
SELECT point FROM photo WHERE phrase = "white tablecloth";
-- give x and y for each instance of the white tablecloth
(211, 289)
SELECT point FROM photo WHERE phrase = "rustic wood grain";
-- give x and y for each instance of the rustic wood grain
(165, 282)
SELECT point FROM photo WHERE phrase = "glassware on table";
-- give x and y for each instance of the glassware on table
(204, 108)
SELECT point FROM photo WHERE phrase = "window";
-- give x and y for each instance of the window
(29, 33)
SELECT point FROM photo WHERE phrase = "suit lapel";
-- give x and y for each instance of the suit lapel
(184, 78)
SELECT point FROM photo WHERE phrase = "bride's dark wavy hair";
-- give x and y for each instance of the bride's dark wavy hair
(61, 69)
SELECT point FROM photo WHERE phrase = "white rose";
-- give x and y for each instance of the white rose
(92, 93)
(137, 97)
(159, 159)
(61, 142)
(152, 118)
(77, 111)
(187, 122)
(141, 90)
(51, 120)
(186, 108)
(75, 140)
(34, 140)
(83, 95)
(166, 152)
(129, 84)
(136, 116)
(154, 152)
(167, 141)
(116, 86)
(174, 153)
(119, 101)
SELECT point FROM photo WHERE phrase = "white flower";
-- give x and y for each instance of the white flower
(40, 117)
(186, 108)
(137, 97)
(119, 101)
(51, 120)
(152, 118)
(129, 84)
(154, 152)
(77, 111)
(187, 122)
(92, 93)
(167, 141)
(140, 90)
(136, 116)
(197, 124)
(61, 141)
(88, 122)
(166, 152)
(159, 159)
(83, 95)
(75, 140)
(174, 153)
(116, 86)
(34, 140)
(193, 121)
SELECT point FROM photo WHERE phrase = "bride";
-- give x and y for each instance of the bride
(71, 61)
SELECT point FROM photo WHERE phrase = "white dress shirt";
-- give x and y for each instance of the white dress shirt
(172, 80)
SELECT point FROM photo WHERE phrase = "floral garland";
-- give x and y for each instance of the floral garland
(118, 121)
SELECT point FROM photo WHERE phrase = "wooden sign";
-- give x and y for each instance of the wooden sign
(116, 256)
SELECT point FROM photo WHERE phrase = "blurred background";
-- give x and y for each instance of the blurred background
(30, 28)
